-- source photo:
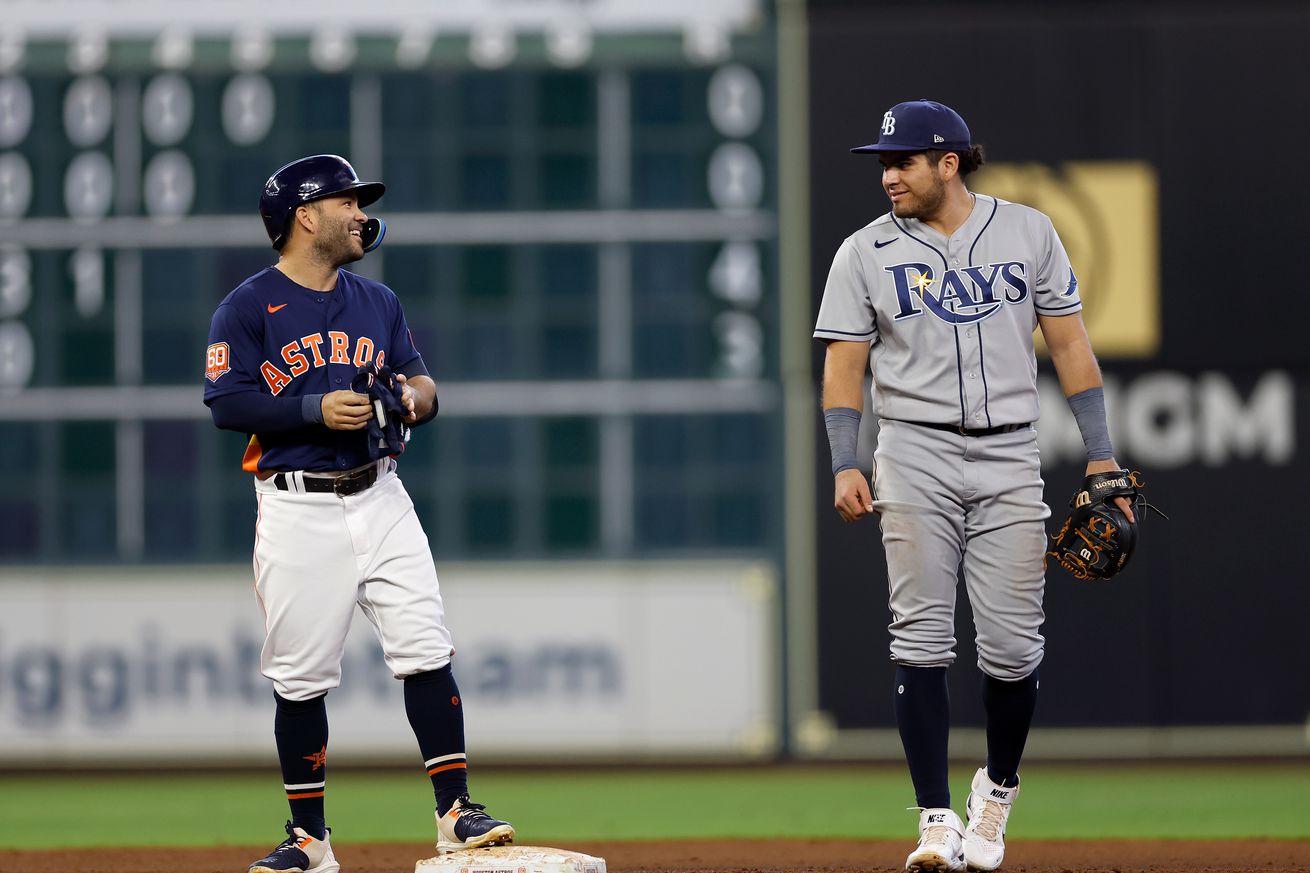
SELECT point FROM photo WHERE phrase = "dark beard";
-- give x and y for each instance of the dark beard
(337, 249)
(929, 205)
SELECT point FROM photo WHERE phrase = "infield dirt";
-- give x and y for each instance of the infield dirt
(727, 856)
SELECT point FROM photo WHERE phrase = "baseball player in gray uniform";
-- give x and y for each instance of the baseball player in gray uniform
(939, 299)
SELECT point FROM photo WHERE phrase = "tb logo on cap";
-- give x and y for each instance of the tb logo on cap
(888, 123)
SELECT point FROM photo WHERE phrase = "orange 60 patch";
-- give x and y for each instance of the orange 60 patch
(216, 357)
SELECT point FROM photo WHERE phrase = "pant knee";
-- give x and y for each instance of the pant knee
(307, 703)
(917, 653)
(441, 674)
(923, 638)
(301, 690)
(412, 667)
(1010, 664)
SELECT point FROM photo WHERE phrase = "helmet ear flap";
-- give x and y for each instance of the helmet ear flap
(374, 230)
(280, 241)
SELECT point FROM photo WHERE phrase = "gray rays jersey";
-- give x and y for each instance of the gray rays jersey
(951, 321)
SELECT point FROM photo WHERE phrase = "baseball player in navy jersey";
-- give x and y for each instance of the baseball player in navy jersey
(335, 529)
(939, 299)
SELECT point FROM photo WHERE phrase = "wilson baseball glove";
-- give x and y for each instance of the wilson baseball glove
(1097, 539)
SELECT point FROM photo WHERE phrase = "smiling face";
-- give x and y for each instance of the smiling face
(913, 183)
(339, 224)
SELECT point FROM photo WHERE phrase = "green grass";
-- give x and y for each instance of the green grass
(1079, 802)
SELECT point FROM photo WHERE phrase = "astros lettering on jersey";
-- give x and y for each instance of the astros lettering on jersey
(275, 336)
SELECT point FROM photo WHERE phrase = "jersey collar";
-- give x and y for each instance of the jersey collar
(982, 210)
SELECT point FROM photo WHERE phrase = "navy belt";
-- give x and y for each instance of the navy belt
(350, 483)
(973, 431)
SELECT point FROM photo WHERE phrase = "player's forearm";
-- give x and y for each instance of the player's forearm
(256, 412)
(1077, 369)
(1071, 353)
(425, 397)
(1080, 378)
(844, 365)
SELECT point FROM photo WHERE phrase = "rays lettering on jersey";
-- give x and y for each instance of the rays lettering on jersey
(977, 292)
(293, 353)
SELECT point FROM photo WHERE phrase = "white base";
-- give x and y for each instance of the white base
(512, 859)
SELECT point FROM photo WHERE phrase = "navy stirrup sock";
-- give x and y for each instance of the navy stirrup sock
(1009, 708)
(301, 730)
(923, 716)
(437, 717)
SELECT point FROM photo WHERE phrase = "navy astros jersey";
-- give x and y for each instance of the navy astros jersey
(276, 337)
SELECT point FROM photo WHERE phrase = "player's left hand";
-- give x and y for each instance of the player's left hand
(1106, 466)
(853, 498)
(407, 398)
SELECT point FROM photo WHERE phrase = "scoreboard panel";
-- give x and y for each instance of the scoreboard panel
(582, 230)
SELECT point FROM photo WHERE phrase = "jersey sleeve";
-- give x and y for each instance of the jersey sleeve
(1056, 292)
(234, 353)
(846, 312)
(405, 357)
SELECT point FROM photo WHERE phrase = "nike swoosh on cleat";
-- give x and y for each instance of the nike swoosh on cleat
(886, 242)
(272, 308)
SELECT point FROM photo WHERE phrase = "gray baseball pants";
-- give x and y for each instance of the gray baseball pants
(947, 499)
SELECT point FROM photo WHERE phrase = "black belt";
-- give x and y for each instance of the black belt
(350, 483)
(973, 431)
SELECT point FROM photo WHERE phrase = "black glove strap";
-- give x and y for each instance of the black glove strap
(1100, 487)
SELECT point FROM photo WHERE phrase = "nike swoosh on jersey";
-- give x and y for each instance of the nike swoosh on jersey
(886, 242)
(272, 308)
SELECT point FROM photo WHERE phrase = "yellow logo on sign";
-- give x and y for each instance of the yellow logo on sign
(1107, 215)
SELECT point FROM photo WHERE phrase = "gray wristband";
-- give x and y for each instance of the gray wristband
(843, 425)
(1089, 410)
(311, 408)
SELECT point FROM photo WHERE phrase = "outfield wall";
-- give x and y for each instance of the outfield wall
(160, 666)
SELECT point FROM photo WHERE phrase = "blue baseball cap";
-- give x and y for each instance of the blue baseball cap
(920, 125)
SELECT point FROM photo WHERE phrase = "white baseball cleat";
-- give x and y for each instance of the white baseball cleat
(988, 809)
(940, 836)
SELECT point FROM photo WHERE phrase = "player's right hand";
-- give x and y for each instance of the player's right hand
(853, 499)
(346, 410)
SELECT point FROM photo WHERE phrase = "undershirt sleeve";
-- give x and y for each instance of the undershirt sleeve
(257, 412)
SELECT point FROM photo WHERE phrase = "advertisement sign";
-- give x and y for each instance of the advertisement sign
(589, 660)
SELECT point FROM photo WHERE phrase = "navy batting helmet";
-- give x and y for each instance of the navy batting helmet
(314, 178)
